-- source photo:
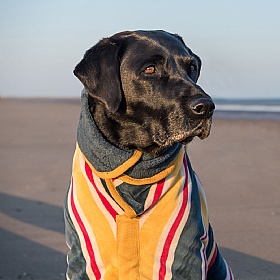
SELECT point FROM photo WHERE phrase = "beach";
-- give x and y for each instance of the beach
(238, 165)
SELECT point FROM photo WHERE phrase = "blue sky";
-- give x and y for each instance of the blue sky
(42, 41)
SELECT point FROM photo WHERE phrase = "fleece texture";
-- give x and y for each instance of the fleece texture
(132, 217)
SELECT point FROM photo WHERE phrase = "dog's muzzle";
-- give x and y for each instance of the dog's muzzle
(201, 111)
(202, 107)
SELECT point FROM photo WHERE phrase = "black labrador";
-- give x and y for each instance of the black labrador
(135, 209)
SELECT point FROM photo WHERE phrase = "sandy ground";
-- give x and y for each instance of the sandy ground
(239, 166)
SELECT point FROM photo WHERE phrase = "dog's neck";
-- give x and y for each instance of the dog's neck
(105, 157)
(120, 132)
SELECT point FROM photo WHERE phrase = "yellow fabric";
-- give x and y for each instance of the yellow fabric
(120, 170)
(146, 181)
(128, 247)
(123, 261)
(156, 224)
(101, 228)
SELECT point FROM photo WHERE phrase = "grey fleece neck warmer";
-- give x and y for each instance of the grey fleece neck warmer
(106, 157)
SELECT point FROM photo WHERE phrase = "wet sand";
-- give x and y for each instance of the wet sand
(239, 166)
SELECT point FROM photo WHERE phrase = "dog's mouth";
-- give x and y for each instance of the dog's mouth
(202, 131)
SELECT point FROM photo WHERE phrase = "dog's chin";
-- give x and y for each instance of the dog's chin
(203, 134)
(201, 131)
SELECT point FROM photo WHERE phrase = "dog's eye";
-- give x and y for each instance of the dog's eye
(150, 70)
(193, 68)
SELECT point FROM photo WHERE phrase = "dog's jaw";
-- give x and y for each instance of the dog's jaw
(202, 130)
(205, 129)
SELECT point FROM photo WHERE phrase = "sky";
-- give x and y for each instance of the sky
(42, 41)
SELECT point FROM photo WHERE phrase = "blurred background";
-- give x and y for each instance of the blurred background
(42, 41)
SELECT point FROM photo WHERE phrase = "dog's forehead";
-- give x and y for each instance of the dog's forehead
(160, 42)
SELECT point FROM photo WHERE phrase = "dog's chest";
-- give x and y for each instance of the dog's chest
(163, 234)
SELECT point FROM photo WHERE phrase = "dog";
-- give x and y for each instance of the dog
(135, 208)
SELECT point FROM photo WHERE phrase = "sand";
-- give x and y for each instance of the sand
(238, 166)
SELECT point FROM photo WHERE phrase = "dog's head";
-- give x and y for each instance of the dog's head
(143, 90)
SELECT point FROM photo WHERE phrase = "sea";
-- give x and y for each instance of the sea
(258, 109)
(226, 108)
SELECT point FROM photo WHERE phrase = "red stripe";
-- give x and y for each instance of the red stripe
(213, 258)
(93, 264)
(158, 192)
(105, 202)
(157, 195)
(168, 241)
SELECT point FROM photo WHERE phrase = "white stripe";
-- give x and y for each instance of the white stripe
(229, 273)
(81, 237)
(201, 190)
(185, 217)
(97, 199)
(205, 235)
(203, 255)
(169, 180)
(117, 182)
(170, 258)
(79, 232)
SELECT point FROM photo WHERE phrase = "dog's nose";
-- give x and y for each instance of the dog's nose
(203, 107)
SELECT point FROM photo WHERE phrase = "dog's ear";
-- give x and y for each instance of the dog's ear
(99, 72)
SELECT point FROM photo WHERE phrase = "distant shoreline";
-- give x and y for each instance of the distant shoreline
(248, 109)
(255, 109)
(248, 101)
(247, 115)
(65, 100)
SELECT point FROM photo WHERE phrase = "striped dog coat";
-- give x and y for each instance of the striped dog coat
(133, 217)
